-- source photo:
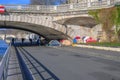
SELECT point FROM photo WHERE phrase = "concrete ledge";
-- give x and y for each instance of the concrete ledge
(98, 47)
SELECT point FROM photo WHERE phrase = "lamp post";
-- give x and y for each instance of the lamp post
(4, 31)
(77, 1)
(67, 1)
(46, 2)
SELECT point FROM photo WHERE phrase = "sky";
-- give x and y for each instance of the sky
(56, 2)
(14, 1)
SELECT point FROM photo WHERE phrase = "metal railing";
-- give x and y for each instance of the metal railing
(4, 64)
(62, 8)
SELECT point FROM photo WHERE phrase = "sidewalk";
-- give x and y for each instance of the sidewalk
(97, 47)
(14, 70)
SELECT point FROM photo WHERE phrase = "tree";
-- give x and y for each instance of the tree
(117, 22)
(109, 18)
(37, 2)
(47, 2)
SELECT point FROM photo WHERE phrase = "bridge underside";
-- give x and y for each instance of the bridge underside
(43, 31)
(81, 21)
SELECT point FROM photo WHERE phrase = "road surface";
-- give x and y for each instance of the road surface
(69, 63)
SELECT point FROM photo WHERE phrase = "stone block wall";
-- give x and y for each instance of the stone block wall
(81, 31)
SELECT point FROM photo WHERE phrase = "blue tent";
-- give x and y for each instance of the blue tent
(74, 40)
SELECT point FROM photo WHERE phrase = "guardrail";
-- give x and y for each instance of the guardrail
(4, 64)
(62, 8)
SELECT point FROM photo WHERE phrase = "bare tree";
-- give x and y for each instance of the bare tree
(37, 2)
(47, 2)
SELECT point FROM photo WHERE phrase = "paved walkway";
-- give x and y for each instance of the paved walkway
(69, 63)
(98, 47)
(14, 71)
(106, 54)
(48, 63)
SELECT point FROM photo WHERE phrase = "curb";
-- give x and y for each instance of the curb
(98, 47)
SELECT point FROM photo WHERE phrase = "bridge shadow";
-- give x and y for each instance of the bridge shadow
(19, 44)
(39, 71)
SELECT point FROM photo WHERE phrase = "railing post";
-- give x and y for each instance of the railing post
(19, 7)
(108, 2)
(71, 6)
(55, 8)
(89, 3)
(37, 7)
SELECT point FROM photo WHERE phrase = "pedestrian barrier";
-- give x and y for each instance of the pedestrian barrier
(4, 64)
(62, 8)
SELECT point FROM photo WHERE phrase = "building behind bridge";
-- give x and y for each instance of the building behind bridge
(58, 2)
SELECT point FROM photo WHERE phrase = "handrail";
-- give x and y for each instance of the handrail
(61, 8)
(4, 64)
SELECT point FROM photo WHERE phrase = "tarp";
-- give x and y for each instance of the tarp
(87, 39)
(90, 40)
(66, 42)
(76, 39)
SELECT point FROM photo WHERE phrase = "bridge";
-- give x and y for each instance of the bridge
(53, 22)
(48, 63)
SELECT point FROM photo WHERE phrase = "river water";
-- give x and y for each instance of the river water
(3, 48)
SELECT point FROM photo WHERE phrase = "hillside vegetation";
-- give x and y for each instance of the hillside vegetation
(110, 20)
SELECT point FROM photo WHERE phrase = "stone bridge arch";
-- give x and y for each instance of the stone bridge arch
(40, 24)
(48, 25)
(85, 20)
(79, 25)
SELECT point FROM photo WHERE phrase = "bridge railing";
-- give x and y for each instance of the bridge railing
(99, 3)
(61, 8)
(4, 64)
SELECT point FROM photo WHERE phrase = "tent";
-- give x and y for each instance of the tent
(76, 39)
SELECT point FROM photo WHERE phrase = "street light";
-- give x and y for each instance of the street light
(60, 1)
(77, 1)
(67, 1)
